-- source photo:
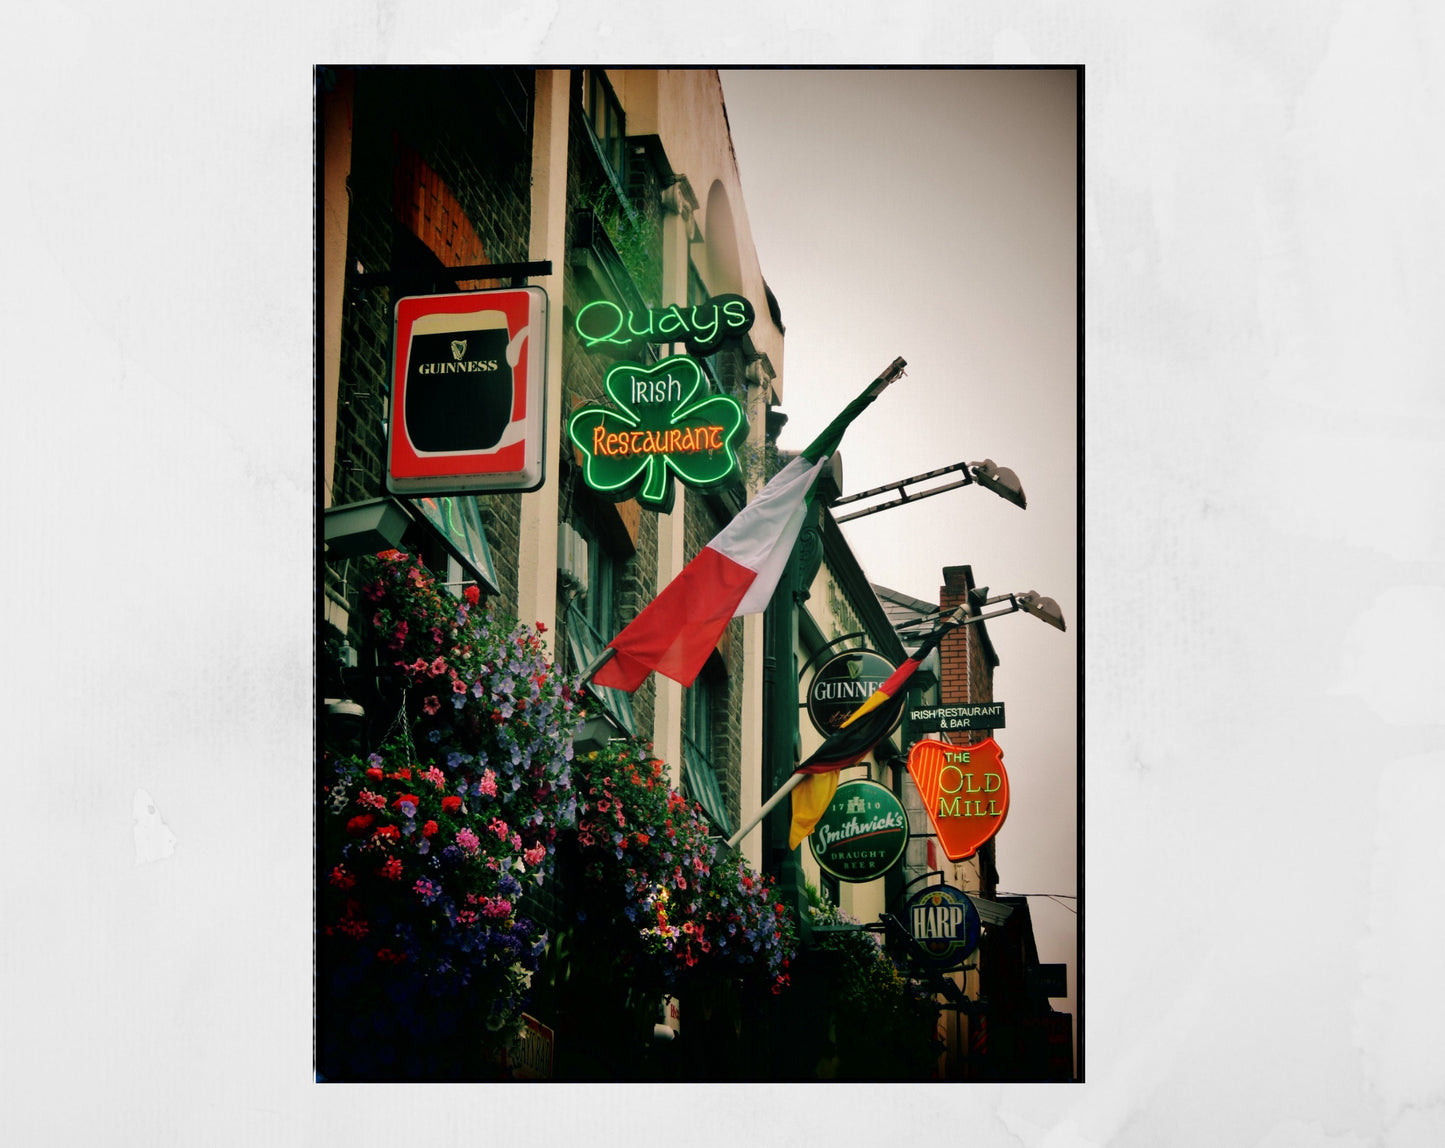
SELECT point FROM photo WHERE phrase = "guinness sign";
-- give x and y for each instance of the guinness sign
(842, 684)
(468, 383)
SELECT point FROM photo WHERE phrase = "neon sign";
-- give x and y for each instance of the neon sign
(657, 430)
(965, 791)
(702, 327)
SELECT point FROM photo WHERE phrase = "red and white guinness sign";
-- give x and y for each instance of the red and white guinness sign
(467, 392)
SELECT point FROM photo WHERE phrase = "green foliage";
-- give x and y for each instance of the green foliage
(879, 1025)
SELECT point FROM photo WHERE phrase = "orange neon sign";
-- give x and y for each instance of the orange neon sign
(964, 789)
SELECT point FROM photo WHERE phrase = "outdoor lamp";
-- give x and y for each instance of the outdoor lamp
(1045, 608)
(999, 479)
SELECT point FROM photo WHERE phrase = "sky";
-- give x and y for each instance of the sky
(931, 214)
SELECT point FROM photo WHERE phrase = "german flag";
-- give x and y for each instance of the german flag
(856, 737)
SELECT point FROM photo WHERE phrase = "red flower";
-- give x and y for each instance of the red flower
(358, 826)
(374, 773)
(412, 797)
(391, 869)
(541, 629)
(387, 833)
(778, 909)
(472, 595)
(451, 803)
(429, 829)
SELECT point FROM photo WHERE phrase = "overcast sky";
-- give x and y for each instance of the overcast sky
(931, 215)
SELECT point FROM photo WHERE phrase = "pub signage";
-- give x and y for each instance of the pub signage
(977, 715)
(663, 422)
(944, 923)
(842, 684)
(702, 327)
(964, 789)
(862, 833)
(468, 388)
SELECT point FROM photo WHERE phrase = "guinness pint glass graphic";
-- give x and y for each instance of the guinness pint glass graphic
(468, 392)
(459, 390)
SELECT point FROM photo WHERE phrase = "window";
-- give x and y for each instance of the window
(604, 116)
(700, 701)
(591, 620)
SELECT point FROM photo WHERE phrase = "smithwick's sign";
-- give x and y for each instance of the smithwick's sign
(862, 833)
(964, 789)
(944, 923)
(468, 392)
(664, 423)
(842, 684)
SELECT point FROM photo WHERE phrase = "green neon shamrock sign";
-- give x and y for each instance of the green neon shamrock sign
(657, 428)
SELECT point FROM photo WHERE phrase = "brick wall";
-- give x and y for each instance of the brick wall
(966, 677)
(440, 162)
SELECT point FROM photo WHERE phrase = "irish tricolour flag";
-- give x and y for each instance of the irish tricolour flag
(734, 574)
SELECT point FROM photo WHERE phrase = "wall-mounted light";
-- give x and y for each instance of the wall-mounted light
(366, 527)
(999, 479)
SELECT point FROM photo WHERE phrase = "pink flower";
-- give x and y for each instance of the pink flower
(436, 777)
(489, 783)
(437, 667)
(469, 841)
(430, 704)
(371, 800)
(458, 686)
(517, 841)
(499, 827)
(534, 855)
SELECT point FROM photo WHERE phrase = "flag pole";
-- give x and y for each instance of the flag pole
(957, 618)
(607, 654)
(772, 803)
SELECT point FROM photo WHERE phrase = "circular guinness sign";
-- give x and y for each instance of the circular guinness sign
(842, 684)
(862, 833)
(944, 923)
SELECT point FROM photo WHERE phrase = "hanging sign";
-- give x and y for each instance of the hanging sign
(467, 392)
(665, 423)
(862, 833)
(944, 923)
(842, 684)
(964, 789)
(702, 327)
(977, 715)
(529, 1055)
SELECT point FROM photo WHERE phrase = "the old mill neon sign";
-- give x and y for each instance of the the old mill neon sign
(702, 327)
(660, 427)
(964, 789)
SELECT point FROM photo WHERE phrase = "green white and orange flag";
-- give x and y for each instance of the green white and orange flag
(856, 737)
(734, 574)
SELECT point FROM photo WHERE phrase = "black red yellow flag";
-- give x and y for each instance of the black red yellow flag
(856, 737)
